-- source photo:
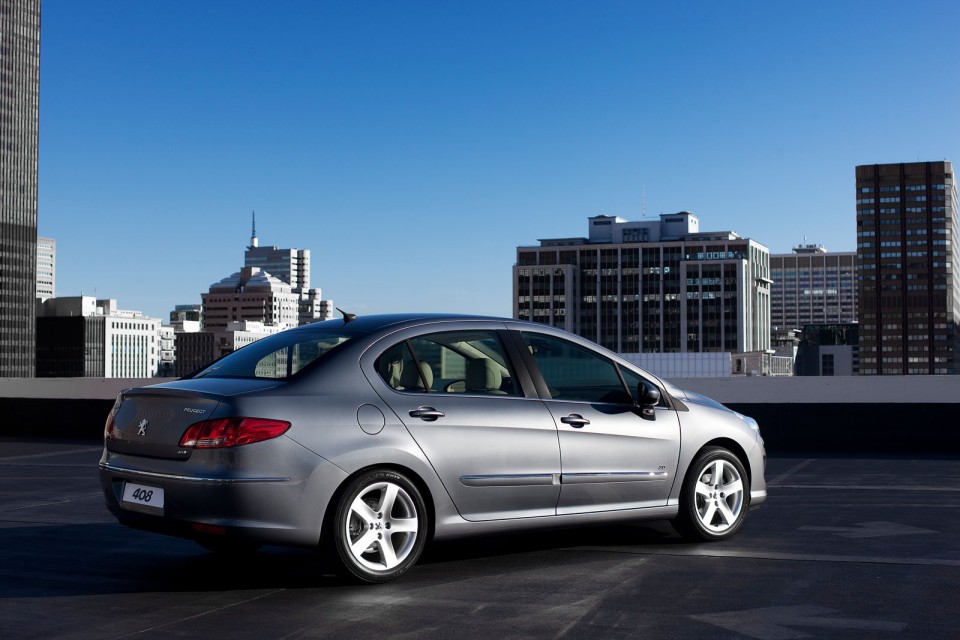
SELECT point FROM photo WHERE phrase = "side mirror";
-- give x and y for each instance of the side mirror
(649, 395)
(649, 398)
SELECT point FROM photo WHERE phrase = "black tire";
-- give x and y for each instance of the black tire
(379, 528)
(711, 508)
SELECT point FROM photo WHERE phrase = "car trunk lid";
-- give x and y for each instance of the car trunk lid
(150, 422)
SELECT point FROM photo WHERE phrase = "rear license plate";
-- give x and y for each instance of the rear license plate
(140, 497)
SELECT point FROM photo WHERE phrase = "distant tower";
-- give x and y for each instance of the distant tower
(909, 292)
(254, 242)
(19, 88)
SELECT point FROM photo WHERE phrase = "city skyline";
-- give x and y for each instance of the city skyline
(420, 145)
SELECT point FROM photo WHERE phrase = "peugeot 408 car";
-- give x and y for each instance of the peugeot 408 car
(368, 437)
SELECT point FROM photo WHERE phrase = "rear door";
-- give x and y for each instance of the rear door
(494, 448)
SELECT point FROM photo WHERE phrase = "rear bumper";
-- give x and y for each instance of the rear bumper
(269, 508)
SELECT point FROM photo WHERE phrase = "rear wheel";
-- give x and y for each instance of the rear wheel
(380, 526)
(714, 498)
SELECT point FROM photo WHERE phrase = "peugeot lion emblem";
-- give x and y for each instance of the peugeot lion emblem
(142, 427)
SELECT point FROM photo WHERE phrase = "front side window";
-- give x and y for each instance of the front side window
(454, 362)
(573, 372)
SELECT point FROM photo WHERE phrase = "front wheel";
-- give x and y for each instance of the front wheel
(380, 526)
(714, 498)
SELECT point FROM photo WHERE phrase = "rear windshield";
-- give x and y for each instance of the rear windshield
(276, 357)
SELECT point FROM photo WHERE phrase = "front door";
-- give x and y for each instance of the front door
(612, 458)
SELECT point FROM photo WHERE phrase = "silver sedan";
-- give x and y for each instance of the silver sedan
(367, 437)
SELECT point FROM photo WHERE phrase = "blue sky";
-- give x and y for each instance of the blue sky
(412, 146)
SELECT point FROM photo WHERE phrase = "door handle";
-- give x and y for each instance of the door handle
(428, 414)
(575, 420)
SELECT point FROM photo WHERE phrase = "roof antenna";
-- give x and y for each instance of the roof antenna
(347, 317)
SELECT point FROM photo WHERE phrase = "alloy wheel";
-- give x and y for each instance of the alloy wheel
(719, 495)
(382, 527)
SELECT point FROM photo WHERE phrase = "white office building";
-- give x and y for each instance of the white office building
(81, 336)
(46, 268)
(198, 349)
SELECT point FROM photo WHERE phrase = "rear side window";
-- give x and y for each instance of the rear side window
(277, 357)
(454, 362)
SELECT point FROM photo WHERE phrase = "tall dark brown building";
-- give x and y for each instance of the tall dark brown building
(909, 296)
(19, 117)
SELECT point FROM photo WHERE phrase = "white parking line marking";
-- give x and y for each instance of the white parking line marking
(866, 487)
(776, 623)
(202, 614)
(790, 557)
(50, 454)
(871, 530)
(791, 471)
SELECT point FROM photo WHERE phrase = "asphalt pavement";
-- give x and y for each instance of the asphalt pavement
(852, 547)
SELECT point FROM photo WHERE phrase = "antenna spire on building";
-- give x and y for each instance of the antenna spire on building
(253, 231)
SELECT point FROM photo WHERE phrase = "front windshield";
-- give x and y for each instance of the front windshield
(276, 357)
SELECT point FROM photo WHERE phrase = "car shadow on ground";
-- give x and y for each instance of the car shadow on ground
(107, 558)
(489, 546)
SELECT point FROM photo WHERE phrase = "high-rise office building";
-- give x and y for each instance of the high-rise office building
(289, 265)
(250, 294)
(812, 286)
(909, 296)
(46, 268)
(657, 286)
(19, 118)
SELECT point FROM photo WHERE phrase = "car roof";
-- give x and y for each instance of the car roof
(376, 322)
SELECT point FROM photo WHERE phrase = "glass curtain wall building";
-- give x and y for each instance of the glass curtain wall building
(19, 117)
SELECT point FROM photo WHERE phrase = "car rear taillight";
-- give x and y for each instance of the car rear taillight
(231, 432)
(108, 428)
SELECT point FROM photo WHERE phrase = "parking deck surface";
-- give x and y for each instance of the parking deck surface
(844, 548)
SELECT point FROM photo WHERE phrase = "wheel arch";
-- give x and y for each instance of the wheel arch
(733, 447)
(407, 472)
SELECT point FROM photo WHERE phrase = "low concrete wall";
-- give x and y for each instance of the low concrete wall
(885, 414)
(851, 414)
(829, 389)
(61, 407)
